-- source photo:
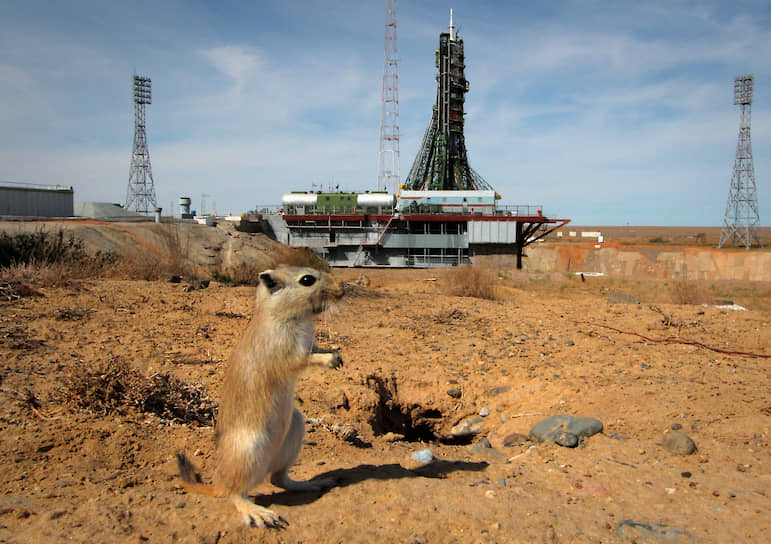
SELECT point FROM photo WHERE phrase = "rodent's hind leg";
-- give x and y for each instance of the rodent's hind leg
(286, 458)
(254, 514)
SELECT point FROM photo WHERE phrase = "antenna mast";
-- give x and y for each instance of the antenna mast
(741, 225)
(141, 189)
(388, 158)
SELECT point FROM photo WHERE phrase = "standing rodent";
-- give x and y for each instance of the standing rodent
(259, 432)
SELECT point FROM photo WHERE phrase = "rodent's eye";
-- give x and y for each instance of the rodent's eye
(307, 280)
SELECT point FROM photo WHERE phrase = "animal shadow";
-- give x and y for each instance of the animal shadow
(349, 476)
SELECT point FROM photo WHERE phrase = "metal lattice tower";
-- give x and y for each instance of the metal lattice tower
(741, 225)
(141, 188)
(388, 158)
(442, 162)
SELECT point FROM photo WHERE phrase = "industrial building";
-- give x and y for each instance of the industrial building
(30, 200)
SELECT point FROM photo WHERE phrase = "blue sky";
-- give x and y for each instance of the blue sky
(602, 112)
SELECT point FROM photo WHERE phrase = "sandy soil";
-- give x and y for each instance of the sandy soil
(70, 474)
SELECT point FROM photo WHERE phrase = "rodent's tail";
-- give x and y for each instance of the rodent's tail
(191, 480)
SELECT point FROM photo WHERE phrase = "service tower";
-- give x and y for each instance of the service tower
(442, 162)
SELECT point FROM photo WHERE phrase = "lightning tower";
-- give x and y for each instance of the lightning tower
(442, 162)
(741, 225)
(140, 196)
(388, 159)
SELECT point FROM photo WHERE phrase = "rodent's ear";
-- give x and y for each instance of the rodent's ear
(270, 282)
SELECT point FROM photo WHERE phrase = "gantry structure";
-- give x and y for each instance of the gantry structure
(388, 158)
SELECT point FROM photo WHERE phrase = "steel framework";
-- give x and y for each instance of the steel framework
(140, 196)
(741, 224)
(388, 158)
(442, 162)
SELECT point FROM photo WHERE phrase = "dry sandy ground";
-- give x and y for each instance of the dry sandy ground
(69, 474)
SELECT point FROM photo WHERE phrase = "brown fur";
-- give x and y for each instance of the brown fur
(259, 432)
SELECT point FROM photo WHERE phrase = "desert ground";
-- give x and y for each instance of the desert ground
(92, 369)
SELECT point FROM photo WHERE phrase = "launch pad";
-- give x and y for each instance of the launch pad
(444, 214)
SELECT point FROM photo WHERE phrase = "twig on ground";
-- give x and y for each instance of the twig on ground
(671, 340)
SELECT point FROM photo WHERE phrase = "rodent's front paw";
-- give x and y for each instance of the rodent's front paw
(335, 360)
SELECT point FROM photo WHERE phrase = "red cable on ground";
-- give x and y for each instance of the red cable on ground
(671, 340)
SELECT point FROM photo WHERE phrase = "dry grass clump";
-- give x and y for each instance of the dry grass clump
(46, 259)
(161, 257)
(685, 291)
(471, 281)
(116, 386)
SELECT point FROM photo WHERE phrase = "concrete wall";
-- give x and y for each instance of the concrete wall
(689, 263)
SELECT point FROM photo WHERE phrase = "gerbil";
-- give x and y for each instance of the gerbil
(259, 432)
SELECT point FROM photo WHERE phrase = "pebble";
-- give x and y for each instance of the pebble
(454, 393)
(514, 439)
(498, 390)
(676, 427)
(679, 443)
(467, 427)
(484, 412)
(638, 531)
(485, 443)
(565, 430)
(491, 454)
(424, 456)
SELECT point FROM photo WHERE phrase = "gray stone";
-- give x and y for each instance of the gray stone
(485, 443)
(454, 393)
(514, 439)
(484, 412)
(565, 430)
(424, 456)
(491, 454)
(637, 531)
(679, 443)
(467, 427)
(498, 390)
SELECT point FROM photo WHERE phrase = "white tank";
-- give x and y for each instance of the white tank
(376, 200)
(298, 199)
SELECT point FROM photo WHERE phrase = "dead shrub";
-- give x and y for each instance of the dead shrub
(471, 281)
(685, 291)
(116, 386)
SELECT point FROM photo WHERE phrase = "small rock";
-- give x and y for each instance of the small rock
(685, 474)
(393, 437)
(423, 456)
(498, 390)
(676, 427)
(637, 531)
(679, 443)
(454, 393)
(467, 427)
(514, 439)
(484, 412)
(484, 443)
(569, 343)
(565, 430)
(491, 454)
